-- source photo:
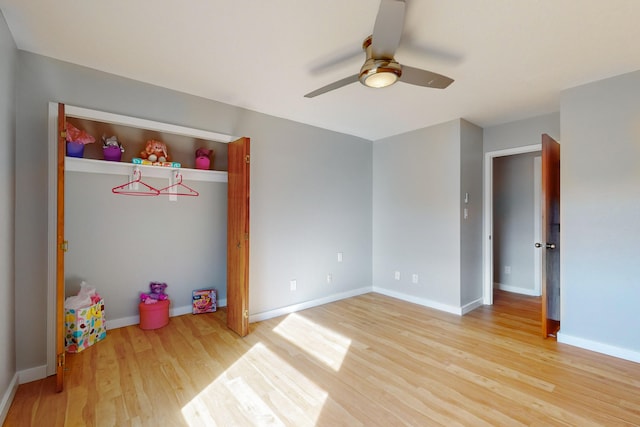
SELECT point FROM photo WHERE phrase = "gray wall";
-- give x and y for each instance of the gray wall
(513, 222)
(600, 211)
(310, 199)
(470, 228)
(118, 244)
(310, 190)
(8, 56)
(416, 208)
(521, 133)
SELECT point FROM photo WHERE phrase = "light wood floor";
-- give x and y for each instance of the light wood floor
(369, 360)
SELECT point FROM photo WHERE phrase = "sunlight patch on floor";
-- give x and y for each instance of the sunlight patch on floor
(326, 345)
(259, 389)
(252, 403)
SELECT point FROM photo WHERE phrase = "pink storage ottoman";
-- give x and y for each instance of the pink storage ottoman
(154, 316)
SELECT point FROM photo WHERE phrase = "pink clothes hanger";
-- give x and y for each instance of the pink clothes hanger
(178, 188)
(131, 187)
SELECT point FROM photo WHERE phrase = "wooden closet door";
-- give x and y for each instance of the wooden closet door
(238, 237)
(60, 250)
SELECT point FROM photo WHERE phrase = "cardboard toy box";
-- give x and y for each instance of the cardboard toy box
(84, 327)
(204, 301)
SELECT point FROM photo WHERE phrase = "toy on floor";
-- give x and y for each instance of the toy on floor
(157, 293)
(204, 301)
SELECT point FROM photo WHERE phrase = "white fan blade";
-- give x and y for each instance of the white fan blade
(387, 30)
(334, 85)
(418, 77)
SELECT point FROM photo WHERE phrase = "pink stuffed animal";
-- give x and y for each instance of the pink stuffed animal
(203, 152)
(156, 294)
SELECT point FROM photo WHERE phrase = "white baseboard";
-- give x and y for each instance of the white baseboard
(122, 322)
(7, 398)
(32, 374)
(307, 304)
(421, 301)
(610, 350)
(517, 289)
(472, 306)
(173, 311)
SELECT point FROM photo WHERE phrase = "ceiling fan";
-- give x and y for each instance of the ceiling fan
(380, 69)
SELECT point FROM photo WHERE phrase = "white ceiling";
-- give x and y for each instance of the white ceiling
(509, 58)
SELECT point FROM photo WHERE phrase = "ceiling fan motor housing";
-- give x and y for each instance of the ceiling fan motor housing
(378, 72)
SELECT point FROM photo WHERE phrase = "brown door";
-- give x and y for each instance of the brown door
(238, 238)
(550, 246)
(60, 250)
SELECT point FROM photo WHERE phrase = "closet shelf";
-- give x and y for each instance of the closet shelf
(76, 164)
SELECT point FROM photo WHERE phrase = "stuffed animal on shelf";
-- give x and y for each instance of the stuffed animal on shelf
(203, 158)
(155, 151)
(203, 152)
(112, 149)
(111, 141)
(156, 293)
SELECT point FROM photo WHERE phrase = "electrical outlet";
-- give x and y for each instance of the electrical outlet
(396, 275)
(507, 269)
(339, 256)
(414, 278)
(293, 285)
(329, 278)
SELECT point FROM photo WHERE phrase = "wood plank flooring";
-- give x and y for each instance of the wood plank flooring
(365, 361)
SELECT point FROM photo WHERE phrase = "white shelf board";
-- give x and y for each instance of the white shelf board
(77, 164)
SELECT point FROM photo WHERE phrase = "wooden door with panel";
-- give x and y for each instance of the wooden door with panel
(238, 237)
(550, 247)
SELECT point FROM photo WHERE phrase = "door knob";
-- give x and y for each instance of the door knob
(547, 245)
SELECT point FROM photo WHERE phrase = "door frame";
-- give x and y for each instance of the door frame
(487, 226)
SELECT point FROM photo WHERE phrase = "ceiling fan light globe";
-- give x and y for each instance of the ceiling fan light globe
(380, 79)
(380, 73)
